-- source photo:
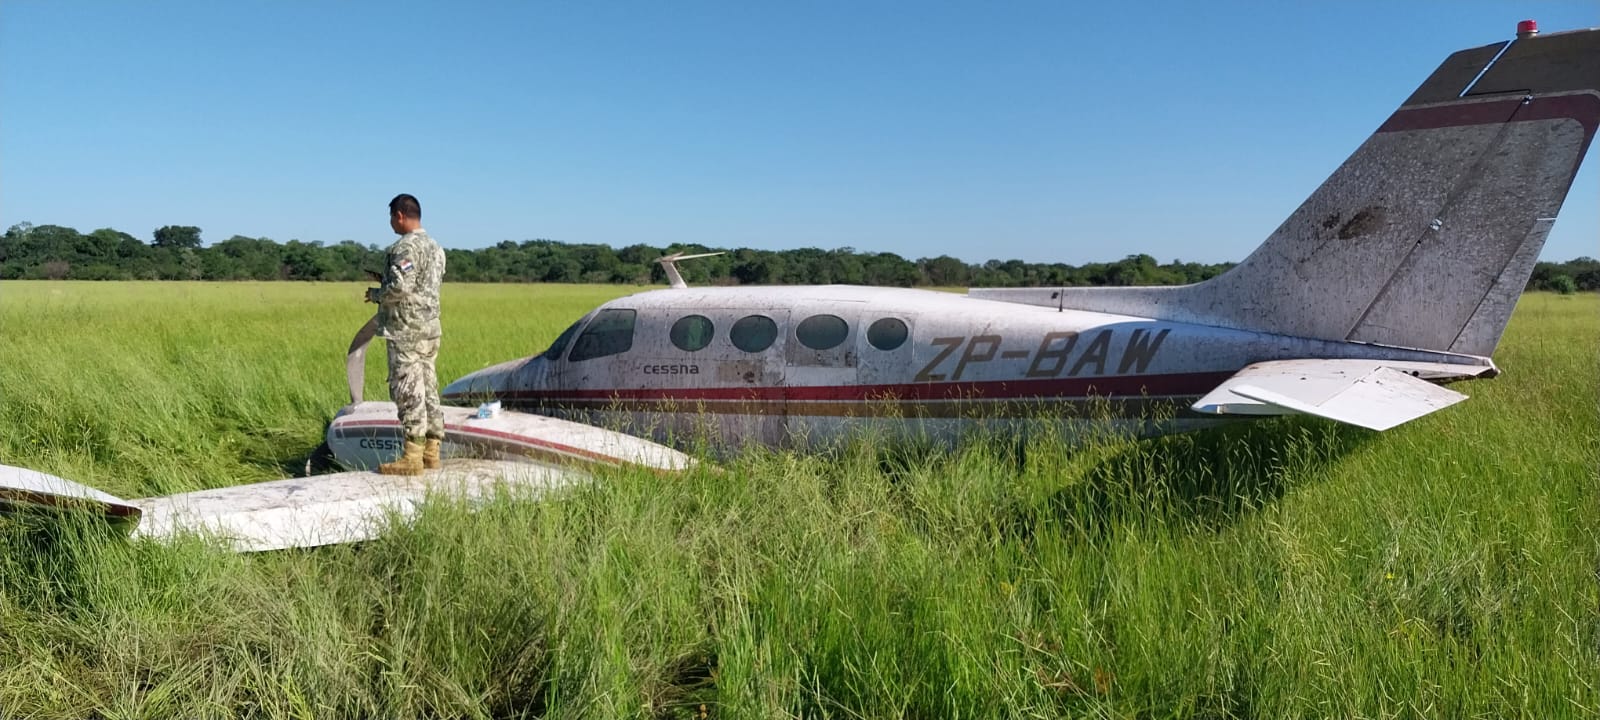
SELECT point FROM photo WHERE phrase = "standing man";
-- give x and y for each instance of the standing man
(408, 318)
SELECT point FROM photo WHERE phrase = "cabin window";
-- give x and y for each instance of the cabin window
(820, 332)
(887, 333)
(562, 340)
(610, 332)
(753, 333)
(692, 332)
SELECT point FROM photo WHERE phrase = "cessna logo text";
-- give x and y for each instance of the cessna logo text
(672, 369)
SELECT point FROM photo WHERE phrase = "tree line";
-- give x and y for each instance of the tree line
(175, 252)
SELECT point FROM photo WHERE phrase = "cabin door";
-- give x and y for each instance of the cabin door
(820, 371)
(746, 404)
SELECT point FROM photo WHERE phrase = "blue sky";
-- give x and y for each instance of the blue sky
(1045, 131)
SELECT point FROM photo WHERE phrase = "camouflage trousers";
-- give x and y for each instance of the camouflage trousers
(414, 386)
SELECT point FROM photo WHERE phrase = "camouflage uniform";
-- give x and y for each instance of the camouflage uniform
(408, 318)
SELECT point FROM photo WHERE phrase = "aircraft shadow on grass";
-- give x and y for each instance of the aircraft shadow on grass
(1203, 481)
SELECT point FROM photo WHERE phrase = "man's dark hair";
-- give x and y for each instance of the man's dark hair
(406, 204)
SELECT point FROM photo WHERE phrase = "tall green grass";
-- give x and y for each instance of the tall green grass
(1287, 568)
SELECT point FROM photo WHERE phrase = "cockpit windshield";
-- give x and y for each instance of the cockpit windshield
(560, 345)
(610, 333)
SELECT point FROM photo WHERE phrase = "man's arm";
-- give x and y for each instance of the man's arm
(400, 276)
(371, 295)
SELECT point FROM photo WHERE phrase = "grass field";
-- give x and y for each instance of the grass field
(1289, 568)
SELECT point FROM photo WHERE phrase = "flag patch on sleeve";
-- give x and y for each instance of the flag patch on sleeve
(405, 265)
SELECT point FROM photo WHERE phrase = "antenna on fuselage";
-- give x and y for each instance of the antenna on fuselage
(667, 263)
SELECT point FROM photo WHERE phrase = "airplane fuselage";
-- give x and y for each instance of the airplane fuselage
(788, 366)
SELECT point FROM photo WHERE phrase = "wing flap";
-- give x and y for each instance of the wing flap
(1373, 394)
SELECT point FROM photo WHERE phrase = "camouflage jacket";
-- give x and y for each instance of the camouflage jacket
(408, 301)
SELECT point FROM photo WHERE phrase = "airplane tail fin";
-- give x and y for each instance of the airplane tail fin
(1426, 235)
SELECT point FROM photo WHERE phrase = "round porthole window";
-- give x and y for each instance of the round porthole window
(692, 333)
(820, 332)
(887, 333)
(753, 333)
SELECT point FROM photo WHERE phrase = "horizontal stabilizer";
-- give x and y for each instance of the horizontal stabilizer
(337, 508)
(1373, 394)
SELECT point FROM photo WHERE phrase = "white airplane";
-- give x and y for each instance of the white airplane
(1399, 273)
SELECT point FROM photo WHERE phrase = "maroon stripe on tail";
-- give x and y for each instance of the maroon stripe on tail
(1582, 107)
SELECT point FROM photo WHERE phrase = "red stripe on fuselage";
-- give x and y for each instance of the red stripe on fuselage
(1185, 384)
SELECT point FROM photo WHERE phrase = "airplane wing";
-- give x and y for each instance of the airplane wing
(337, 508)
(295, 513)
(366, 434)
(24, 488)
(1374, 394)
(528, 454)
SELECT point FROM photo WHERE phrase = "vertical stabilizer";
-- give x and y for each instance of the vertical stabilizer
(1426, 235)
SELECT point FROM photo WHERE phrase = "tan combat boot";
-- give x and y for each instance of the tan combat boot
(430, 454)
(410, 462)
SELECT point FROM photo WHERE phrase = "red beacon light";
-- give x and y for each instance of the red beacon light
(1527, 29)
